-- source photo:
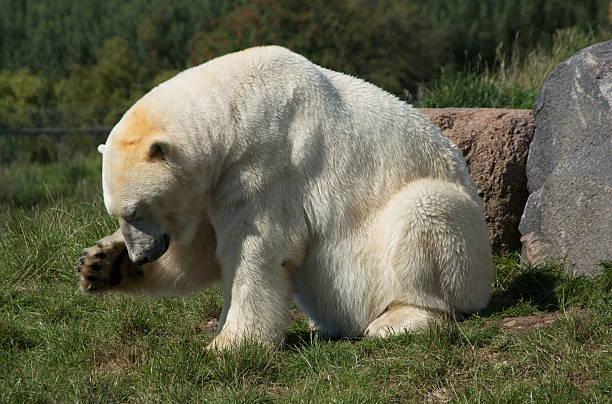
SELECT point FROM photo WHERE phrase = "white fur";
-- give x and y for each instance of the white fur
(318, 185)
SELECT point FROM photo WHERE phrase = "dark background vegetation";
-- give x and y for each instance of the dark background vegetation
(82, 63)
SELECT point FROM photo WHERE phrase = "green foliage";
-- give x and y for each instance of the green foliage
(21, 95)
(475, 29)
(101, 94)
(386, 42)
(83, 64)
(512, 81)
(50, 36)
(163, 76)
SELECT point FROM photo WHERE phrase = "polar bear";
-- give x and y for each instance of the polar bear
(285, 180)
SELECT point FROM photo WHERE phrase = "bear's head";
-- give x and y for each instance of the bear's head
(145, 186)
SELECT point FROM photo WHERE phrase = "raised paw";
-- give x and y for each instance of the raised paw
(103, 266)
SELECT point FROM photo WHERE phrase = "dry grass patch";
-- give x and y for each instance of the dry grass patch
(118, 359)
(537, 320)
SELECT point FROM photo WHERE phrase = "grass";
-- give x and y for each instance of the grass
(35, 172)
(513, 81)
(544, 338)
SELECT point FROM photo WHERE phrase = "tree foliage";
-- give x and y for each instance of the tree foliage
(50, 36)
(69, 62)
(386, 42)
(21, 95)
(475, 29)
(100, 94)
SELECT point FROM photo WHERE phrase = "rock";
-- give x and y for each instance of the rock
(494, 143)
(568, 217)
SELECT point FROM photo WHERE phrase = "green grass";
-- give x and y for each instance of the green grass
(57, 345)
(513, 81)
(36, 171)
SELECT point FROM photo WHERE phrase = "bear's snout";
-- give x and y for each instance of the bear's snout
(143, 242)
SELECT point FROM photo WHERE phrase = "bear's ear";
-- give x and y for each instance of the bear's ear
(159, 150)
(101, 148)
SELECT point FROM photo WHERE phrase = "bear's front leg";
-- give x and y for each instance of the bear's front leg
(106, 267)
(256, 293)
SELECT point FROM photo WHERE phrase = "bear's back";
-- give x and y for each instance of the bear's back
(343, 133)
(356, 143)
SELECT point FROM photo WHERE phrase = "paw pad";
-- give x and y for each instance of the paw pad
(100, 267)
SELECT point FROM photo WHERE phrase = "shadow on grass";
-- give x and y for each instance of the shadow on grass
(535, 288)
(297, 339)
(13, 338)
(522, 290)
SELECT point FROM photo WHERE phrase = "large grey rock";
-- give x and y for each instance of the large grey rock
(568, 216)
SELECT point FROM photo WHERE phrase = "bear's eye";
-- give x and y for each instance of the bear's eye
(129, 215)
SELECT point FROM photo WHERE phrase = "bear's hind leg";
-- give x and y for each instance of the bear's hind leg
(399, 318)
(436, 246)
